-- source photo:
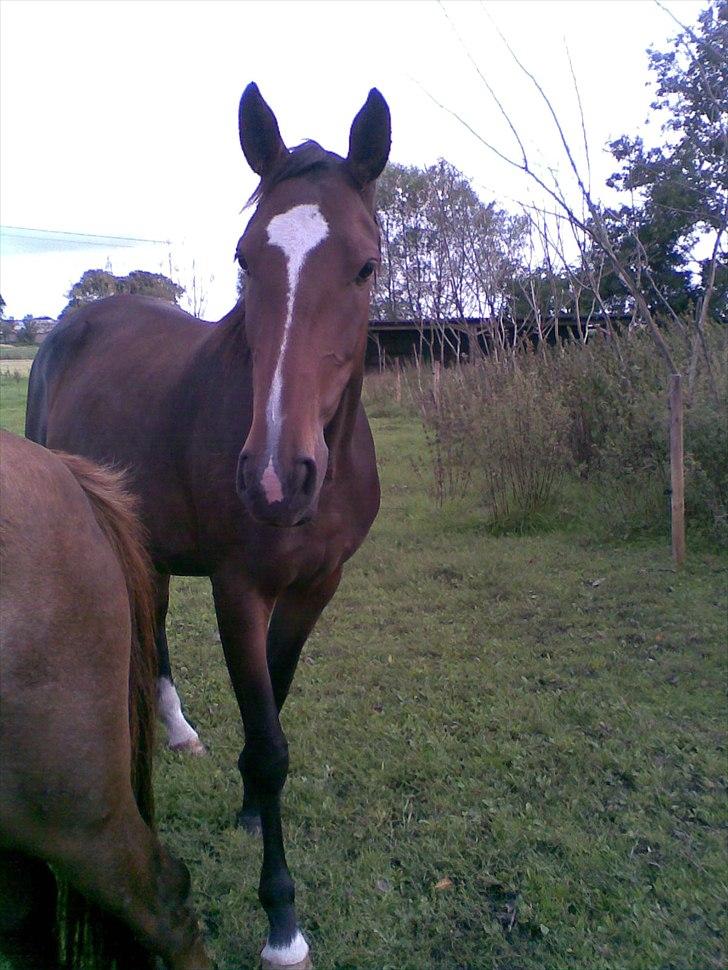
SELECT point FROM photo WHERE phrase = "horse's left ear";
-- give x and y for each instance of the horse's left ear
(370, 139)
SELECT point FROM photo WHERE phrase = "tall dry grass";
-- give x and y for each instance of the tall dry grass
(494, 428)
(518, 432)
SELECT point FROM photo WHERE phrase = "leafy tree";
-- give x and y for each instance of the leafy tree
(6, 327)
(680, 187)
(540, 294)
(445, 253)
(27, 330)
(95, 284)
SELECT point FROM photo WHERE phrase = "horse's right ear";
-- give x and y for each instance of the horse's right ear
(260, 138)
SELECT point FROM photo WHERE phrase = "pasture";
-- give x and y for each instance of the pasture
(16, 360)
(506, 752)
(18, 351)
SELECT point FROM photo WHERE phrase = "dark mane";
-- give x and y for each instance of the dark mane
(308, 157)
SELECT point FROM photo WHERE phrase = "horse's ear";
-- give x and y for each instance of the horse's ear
(370, 140)
(260, 138)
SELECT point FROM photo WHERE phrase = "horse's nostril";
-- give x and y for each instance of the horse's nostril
(305, 479)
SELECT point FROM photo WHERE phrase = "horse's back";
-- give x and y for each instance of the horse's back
(105, 380)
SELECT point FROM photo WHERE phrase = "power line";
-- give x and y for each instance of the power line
(26, 232)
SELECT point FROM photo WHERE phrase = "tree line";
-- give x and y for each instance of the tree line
(448, 254)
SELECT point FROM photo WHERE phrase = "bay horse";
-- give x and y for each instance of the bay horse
(246, 440)
(77, 717)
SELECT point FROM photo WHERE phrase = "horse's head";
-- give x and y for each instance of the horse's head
(309, 254)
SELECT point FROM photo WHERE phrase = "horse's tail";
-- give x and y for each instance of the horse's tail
(115, 509)
(89, 937)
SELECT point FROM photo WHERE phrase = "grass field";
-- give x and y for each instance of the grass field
(15, 368)
(506, 753)
(16, 360)
(18, 351)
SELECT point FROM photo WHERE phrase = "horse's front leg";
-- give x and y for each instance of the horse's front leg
(243, 616)
(294, 616)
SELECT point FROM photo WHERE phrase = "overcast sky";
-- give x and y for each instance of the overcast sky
(119, 119)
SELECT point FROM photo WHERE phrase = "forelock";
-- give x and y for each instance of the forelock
(309, 158)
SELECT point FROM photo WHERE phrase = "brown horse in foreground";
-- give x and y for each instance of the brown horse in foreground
(77, 717)
(246, 440)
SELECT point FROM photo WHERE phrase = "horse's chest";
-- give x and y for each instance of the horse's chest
(304, 555)
(271, 558)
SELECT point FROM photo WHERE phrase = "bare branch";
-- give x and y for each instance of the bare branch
(581, 114)
(485, 81)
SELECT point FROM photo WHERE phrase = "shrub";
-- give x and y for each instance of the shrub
(507, 430)
(706, 446)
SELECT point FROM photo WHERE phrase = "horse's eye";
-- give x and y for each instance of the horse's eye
(242, 263)
(365, 272)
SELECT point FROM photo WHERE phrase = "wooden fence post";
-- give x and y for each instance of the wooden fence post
(677, 471)
(397, 381)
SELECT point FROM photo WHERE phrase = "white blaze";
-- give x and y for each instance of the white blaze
(271, 484)
(296, 232)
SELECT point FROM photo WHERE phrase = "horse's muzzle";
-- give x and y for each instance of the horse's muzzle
(284, 499)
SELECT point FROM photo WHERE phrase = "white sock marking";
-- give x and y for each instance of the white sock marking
(286, 956)
(296, 232)
(179, 732)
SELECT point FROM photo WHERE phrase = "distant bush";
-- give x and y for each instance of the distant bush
(623, 411)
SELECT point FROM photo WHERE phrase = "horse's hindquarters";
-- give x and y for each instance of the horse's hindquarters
(74, 732)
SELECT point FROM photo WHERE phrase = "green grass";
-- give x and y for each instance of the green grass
(18, 351)
(507, 753)
(13, 393)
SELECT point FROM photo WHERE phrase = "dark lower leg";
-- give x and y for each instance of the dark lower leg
(294, 617)
(27, 912)
(126, 872)
(243, 618)
(264, 766)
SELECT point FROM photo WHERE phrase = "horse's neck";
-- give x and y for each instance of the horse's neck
(340, 430)
(227, 338)
(216, 373)
(233, 318)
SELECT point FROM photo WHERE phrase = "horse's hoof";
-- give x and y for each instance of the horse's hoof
(249, 821)
(305, 964)
(194, 747)
(280, 957)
